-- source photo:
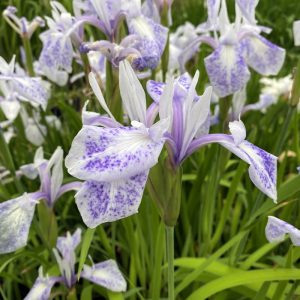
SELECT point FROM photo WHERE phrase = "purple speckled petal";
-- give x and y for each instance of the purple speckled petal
(276, 230)
(67, 244)
(155, 89)
(153, 38)
(106, 154)
(106, 274)
(227, 69)
(57, 54)
(182, 84)
(41, 289)
(263, 56)
(31, 89)
(247, 8)
(100, 202)
(263, 166)
(15, 220)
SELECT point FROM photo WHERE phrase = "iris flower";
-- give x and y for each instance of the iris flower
(16, 86)
(237, 46)
(144, 44)
(16, 214)
(21, 25)
(114, 160)
(56, 58)
(106, 274)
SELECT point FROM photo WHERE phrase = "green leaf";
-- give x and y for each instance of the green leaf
(242, 278)
(86, 243)
(114, 296)
(86, 293)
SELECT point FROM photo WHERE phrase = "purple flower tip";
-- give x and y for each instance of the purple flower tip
(84, 48)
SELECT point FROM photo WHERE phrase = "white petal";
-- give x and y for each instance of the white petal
(31, 89)
(29, 171)
(15, 220)
(195, 113)
(166, 103)
(132, 93)
(105, 154)
(296, 32)
(100, 202)
(41, 289)
(106, 274)
(67, 244)
(238, 103)
(55, 170)
(35, 133)
(98, 93)
(238, 131)
(101, 10)
(213, 7)
(276, 230)
(10, 109)
(247, 8)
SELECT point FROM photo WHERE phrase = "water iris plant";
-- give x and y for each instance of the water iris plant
(108, 131)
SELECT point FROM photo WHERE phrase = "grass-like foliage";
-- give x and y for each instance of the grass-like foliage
(215, 217)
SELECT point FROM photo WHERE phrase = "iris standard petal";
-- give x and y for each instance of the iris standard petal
(100, 202)
(247, 8)
(132, 93)
(106, 274)
(108, 154)
(55, 170)
(67, 244)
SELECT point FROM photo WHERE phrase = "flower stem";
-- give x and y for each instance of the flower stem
(170, 259)
(28, 55)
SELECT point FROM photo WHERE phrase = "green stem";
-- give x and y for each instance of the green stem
(86, 67)
(109, 84)
(284, 130)
(28, 54)
(170, 259)
(224, 104)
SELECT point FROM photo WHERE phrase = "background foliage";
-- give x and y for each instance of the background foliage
(220, 244)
